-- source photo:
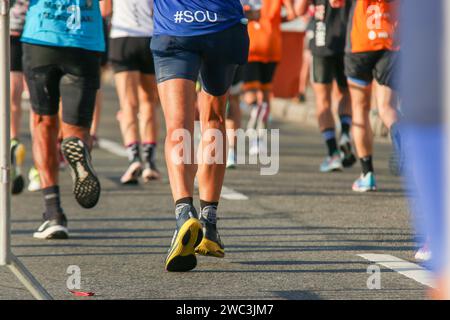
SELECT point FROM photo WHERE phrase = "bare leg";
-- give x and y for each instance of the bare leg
(45, 136)
(16, 103)
(212, 116)
(148, 118)
(362, 131)
(127, 84)
(178, 98)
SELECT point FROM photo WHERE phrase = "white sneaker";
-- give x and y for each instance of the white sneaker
(35, 182)
(333, 163)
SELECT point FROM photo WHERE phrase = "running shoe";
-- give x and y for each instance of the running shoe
(53, 229)
(365, 183)
(17, 159)
(231, 159)
(333, 163)
(186, 238)
(254, 147)
(86, 186)
(348, 157)
(423, 254)
(211, 244)
(35, 181)
(150, 174)
(132, 174)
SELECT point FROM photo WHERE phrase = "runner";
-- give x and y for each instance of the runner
(17, 20)
(61, 60)
(192, 37)
(252, 12)
(131, 58)
(371, 53)
(265, 53)
(328, 48)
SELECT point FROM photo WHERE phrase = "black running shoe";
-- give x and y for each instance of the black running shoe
(211, 244)
(348, 158)
(186, 238)
(86, 186)
(53, 229)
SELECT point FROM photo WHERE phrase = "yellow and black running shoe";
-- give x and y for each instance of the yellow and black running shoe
(211, 244)
(17, 159)
(186, 238)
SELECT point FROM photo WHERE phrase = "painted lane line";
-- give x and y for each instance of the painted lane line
(112, 147)
(118, 150)
(408, 269)
(230, 194)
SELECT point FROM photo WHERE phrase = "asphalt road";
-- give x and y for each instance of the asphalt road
(297, 236)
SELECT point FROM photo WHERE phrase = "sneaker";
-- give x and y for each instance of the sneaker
(53, 229)
(423, 254)
(186, 238)
(132, 174)
(17, 159)
(231, 159)
(35, 181)
(150, 174)
(348, 157)
(333, 163)
(211, 244)
(365, 183)
(86, 186)
(254, 147)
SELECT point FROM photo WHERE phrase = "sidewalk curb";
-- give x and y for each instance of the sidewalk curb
(305, 113)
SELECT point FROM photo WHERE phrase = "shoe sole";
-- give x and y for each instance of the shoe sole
(210, 249)
(53, 233)
(152, 176)
(372, 189)
(133, 176)
(86, 186)
(181, 257)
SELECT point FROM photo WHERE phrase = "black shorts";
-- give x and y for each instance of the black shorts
(70, 74)
(131, 54)
(214, 56)
(236, 85)
(327, 69)
(16, 54)
(259, 75)
(362, 68)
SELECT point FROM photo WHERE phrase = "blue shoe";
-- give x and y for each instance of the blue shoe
(365, 183)
(186, 238)
(333, 163)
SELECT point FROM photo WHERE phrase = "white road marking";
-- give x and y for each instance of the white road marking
(408, 269)
(113, 147)
(230, 194)
(118, 150)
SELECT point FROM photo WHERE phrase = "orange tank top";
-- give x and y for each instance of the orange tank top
(265, 34)
(373, 26)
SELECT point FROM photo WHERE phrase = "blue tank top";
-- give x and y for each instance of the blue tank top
(195, 17)
(65, 23)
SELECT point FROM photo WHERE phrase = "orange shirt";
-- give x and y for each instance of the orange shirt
(265, 34)
(373, 26)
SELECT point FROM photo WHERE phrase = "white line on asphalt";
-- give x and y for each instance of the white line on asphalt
(112, 147)
(230, 194)
(408, 269)
(118, 150)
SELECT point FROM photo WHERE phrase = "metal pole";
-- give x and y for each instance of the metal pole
(6, 257)
(5, 158)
